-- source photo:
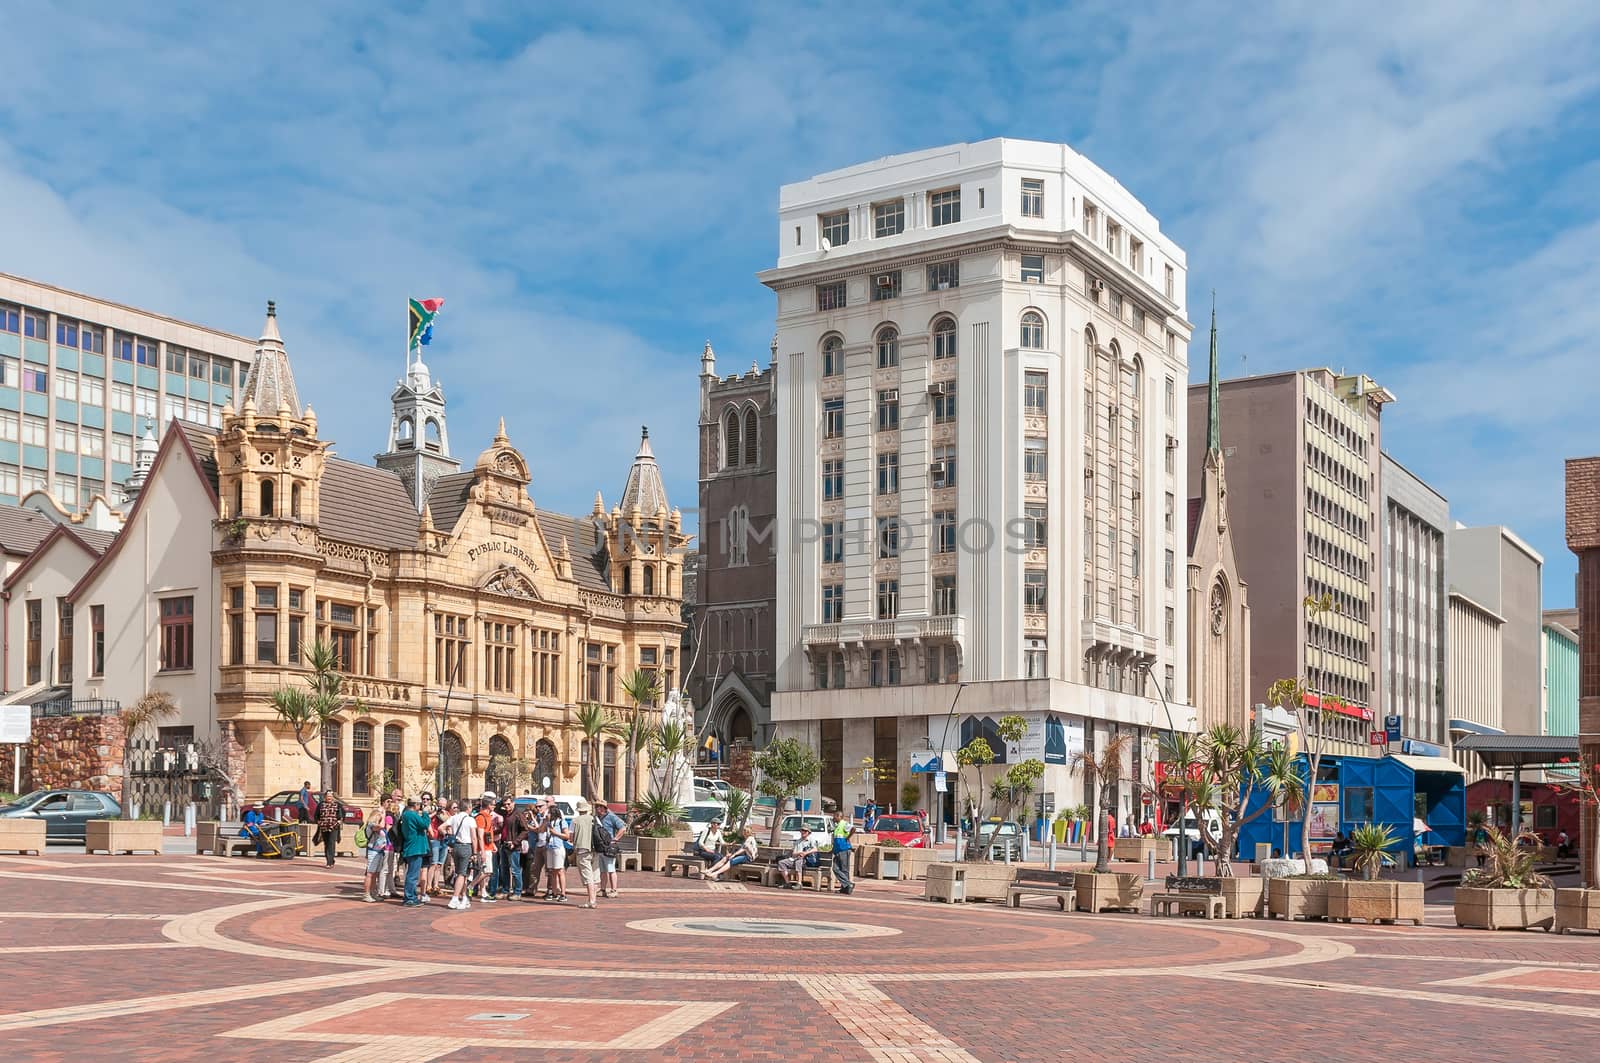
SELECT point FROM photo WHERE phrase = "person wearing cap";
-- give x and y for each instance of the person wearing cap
(488, 842)
(708, 847)
(608, 864)
(583, 851)
(843, 830)
(802, 854)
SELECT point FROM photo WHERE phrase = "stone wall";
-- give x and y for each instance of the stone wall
(80, 752)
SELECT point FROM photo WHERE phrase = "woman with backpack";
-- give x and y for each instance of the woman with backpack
(377, 845)
(460, 833)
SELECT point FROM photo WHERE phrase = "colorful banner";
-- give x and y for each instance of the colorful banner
(423, 311)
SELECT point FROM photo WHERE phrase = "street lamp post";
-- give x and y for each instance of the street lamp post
(1180, 840)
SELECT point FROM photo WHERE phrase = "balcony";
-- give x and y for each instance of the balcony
(904, 629)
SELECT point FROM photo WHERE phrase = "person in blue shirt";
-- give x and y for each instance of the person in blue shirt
(252, 829)
(608, 864)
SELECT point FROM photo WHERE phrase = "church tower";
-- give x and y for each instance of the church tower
(269, 459)
(419, 441)
(643, 535)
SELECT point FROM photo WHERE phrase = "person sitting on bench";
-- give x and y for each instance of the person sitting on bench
(743, 855)
(801, 856)
(708, 847)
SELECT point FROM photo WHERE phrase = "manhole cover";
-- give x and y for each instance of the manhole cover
(763, 928)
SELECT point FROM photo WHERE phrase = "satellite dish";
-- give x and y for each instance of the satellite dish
(827, 245)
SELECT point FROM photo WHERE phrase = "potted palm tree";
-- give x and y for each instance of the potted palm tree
(1506, 893)
(1369, 898)
(1099, 889)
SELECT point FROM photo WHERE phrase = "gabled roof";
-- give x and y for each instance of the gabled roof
(93, 543)
(22, 530)
(202, 444)
(447, 499)
(1196, 505)
(366, 505)
(588, 569)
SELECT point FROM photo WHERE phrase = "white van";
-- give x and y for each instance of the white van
(567, 803)
(699, 814)
(1191, 829)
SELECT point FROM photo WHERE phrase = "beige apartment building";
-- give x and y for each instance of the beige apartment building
(1303, 453)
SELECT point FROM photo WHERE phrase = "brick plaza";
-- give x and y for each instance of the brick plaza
(184, 957)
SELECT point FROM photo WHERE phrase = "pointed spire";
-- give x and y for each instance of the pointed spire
(599, 505)
(269, 386)
(644, 493)
(708, 361)
(1213, 393)
(269, 331)
(500, 433)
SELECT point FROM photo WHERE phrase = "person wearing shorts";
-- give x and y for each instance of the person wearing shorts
(801, 856)
(583, 852)
(461, 832)
(555, 856)
(487, 835)
(608, 864)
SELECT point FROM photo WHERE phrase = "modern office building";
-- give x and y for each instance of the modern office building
(81, 377)
(980, 464)
(1495, 568)
(1302, 452)
(1474, 657)
(736, 582)
(1560, 653)
(1415, 610)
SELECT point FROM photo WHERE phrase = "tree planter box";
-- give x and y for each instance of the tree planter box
(866, 861)
(1103, 893)
(22, 836)
(1136, 849)
(1505, 909)
(122, 836)
(1297, 898)
(208, 837)
(1576, 909)
(653, 852)
(1243, 895)
(989, 881)
(1376, 902)
(945, 882)
(914, 863)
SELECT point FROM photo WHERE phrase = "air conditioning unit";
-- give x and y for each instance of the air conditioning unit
(884, 280)
(1172, 442)
(938, 387)
(1097, 286)
(936, 469)
(892, 395)
(1137, 494)
(1088, 472)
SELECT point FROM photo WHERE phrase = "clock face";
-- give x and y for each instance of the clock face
(1219, 605)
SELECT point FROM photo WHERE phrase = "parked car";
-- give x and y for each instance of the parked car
(1191, 830)
(709, 789)
(1002, 838)
(284, 806)
(907, 830)
(699, 815)
(65, 812)
(789, 829)
(567, 803)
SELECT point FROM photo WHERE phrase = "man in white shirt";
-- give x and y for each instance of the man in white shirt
(460, 834)
(802, 854)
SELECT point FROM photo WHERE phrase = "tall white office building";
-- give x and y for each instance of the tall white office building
(982, 351)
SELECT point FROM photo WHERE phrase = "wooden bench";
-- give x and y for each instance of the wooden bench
(628, 853)
(1034, 882)
(228, 841)
(686, 861)
(1192, 894)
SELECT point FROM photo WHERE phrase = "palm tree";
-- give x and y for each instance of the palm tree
(591, 720)
(1181, 751)
(308, 711)
(1280, 777)
(642, 689)
(670, 744)
(1106, 768)
(1231, 763)
(154, 706)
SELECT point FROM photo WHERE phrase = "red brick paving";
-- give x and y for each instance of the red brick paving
(1002, 985)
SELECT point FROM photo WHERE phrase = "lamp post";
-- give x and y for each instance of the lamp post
(1180, 840)
(944, 740)
(441, 721)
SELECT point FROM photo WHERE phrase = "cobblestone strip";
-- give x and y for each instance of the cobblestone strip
(888, 1032)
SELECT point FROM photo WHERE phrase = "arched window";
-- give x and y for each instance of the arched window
(452, 765)
(888, 347)
(627, 579)
(394, 736)
(266, 498)
(730, 438)
(361, 775)
(1136, 379)
(546, 776)
(608, 772)
(1033, 330)
(649, 580)
(498, 776)
(431, 434)
(404, 432)
(294, 501)
(332, 746)
(1091, 344)
(944, 338)
(832, 356)
(751, 437)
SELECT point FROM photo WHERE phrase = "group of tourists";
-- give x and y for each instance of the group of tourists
(492, 849)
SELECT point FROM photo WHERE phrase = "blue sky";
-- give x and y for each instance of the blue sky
(1406, 189)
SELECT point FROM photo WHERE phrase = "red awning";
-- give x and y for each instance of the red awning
(1344, 708)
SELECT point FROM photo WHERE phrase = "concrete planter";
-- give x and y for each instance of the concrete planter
(1298, 898)
(22, 836)
(122, 836)
(1576, 909)
(1135, 849)
(1243, 895)
(208, 837)
(867, 861)
(989, 881)
(1376, 902)
(914, 863)
(1105, 893)
(653, 852)
(945, 882)
(1505, 909)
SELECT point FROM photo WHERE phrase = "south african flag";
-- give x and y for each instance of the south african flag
(423, 311)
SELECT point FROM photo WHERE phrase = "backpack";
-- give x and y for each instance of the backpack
(604, 842)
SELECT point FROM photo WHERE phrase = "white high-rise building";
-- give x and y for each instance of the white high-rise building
(982, 351)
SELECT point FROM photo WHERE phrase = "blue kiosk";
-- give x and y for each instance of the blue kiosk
(1395, 790)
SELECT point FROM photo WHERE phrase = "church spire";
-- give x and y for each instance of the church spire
(270, 381)
(1213, 396)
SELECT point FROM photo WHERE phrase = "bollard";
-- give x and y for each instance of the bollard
(188, 820)
(166, 813)
(1149, 867)
(1050, 854)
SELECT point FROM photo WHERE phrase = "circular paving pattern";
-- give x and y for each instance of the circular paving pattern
(762, 928)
